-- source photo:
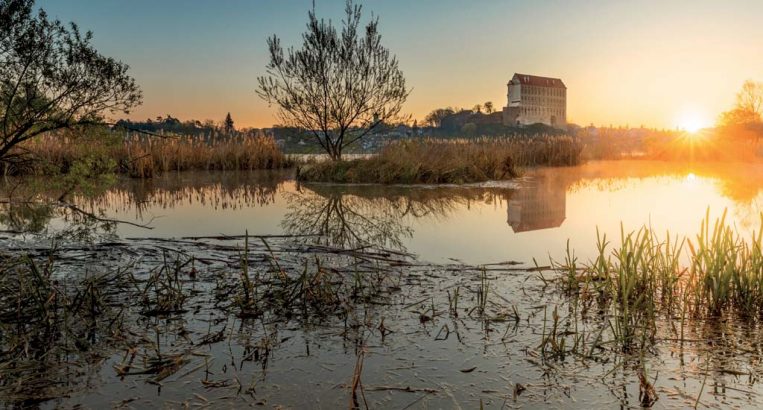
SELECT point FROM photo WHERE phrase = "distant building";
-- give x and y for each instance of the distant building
(533, 99)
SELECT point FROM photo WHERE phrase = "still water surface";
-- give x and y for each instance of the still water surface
(520, 220)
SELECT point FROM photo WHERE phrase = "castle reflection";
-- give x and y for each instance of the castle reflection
(539, 204)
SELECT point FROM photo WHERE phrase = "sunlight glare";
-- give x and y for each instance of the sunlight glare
(692, 122)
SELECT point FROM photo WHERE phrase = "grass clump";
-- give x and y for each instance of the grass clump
(718, 273)
(163, 292)
(432, 161)
(308, 289)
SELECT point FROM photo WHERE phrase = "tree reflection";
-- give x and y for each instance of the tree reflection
(26, 217)
(34, 205)
(357, 216)
(75, 225)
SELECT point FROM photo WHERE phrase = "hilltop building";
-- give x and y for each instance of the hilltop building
(533, 99)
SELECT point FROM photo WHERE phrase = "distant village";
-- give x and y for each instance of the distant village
(535, 105)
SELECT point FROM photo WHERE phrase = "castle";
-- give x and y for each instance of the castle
(533, 99)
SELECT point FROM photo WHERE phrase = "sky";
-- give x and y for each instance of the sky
(658, 64)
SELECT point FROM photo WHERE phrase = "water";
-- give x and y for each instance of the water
(418, 350)
(519, 220)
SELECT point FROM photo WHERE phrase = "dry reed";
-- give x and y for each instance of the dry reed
(146, 156)
(449, 161)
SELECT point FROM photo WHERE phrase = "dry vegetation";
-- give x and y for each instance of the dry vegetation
(55, 324)
(178, 154)
(146, 156)
(433, 161)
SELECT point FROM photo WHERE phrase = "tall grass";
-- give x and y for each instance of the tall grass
(718, 272)
(449, 161)
(146, 156)
(728, 269)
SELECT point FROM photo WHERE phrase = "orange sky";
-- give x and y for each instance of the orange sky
(652, 63)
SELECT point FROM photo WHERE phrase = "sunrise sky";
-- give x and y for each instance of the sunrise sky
(653, 63)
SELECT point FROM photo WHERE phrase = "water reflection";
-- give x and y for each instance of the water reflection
(541, 203)
(52, 222)
(26, 217)
(475, 224)
(522, 220)
(31, 206)
(356, 216)
(740, 184)
(213, 191)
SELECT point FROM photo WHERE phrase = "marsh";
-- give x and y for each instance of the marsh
(235, 288)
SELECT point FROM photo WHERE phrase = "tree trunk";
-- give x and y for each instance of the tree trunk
(335, 151)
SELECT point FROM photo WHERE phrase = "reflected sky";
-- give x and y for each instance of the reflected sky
(530, 218)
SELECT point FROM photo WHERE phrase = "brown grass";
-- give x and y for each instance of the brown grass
(433, 161)
(146, 156)
(179, 154)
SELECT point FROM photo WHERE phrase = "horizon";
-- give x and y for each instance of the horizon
(675, 69)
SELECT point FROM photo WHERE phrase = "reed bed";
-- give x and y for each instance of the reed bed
(145, 156)
(716, 274)
(433, 161)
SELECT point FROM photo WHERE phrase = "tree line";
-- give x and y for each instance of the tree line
(745, 118)
(171, 125)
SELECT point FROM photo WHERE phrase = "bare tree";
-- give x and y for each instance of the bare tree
(748, 108)
(488, 107)
(339, 86)
(52, 78)
(750, 98)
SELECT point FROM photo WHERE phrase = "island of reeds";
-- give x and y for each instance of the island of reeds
(451, 161)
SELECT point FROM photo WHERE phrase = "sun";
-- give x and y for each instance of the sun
(692, 122)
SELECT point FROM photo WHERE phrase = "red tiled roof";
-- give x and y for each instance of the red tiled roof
(538, 81)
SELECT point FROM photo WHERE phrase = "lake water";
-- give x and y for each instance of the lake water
(519, 220)
(418, 347)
